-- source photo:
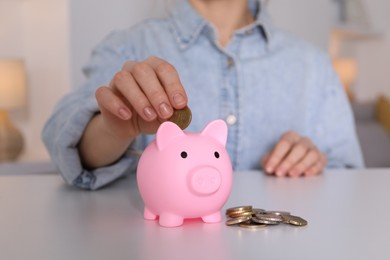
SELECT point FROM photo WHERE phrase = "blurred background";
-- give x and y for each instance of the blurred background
(48, 42)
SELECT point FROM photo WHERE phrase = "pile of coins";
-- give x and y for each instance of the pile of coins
(253, 218)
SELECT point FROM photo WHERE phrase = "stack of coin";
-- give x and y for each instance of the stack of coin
(253, 218)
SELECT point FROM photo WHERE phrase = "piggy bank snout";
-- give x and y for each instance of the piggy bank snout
(204, 180)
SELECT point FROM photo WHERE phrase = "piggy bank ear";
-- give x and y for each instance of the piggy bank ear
(166, 133)
(216, 129)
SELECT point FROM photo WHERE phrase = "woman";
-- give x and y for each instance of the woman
(224, 59)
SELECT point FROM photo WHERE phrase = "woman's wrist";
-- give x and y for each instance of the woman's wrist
(99, 146)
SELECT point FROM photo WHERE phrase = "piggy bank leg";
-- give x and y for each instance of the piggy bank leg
(148, 214)
(213, 218)
(170, 220)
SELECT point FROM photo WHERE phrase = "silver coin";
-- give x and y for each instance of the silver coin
(264, 221)
(269, 217)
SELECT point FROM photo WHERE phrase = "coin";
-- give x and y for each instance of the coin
(294, 220)
(278, 212)
(234, 221)
(269, 217)
(259, 211)
(264, 221)
(240, 214)
(251, 225)
(238, 209)
(181, 117)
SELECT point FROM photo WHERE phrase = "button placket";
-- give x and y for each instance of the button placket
(230, 63)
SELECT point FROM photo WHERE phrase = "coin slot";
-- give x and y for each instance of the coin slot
(183, 155)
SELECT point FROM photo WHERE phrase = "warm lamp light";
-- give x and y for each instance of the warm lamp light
(347, 71)
(12, 95)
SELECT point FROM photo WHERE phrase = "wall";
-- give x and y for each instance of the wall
(373, 55)
(11, 29)
(55, 38)
(313, 20)
(308, 19)
(92, 20)
(37, 30)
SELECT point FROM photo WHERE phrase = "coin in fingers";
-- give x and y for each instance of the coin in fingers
(181, 117)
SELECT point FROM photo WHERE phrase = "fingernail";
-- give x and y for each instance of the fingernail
(179, 99)
(280, 172)
(124, 114)
(269, 168)
(165, 110)
(149, 113)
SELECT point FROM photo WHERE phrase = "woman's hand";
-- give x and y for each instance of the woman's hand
(293, 156)
(140, 97)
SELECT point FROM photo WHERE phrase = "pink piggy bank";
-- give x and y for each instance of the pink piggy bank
(185, 175)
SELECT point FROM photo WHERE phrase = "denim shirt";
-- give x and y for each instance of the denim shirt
(263, 83)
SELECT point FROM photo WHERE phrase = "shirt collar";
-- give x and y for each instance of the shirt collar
(188, 24)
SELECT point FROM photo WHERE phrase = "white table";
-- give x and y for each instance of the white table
(348, 214)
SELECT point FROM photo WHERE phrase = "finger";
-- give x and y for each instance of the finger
(263, 162)
(110, 102)
(170, 80)
(124, 83)
(311, 158)
(281, 149)
(147, 80)
(315, 169)
(297, 153)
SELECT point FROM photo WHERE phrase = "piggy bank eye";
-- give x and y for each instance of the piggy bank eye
(183, 155)
(216, 154)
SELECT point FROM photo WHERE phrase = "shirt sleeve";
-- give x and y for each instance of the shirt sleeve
(63, 130)
(337, 125)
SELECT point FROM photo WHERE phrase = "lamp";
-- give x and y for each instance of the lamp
(12, 95)
(347, 71)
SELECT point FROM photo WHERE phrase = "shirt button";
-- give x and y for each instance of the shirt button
(230, 62)
(231, 119)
